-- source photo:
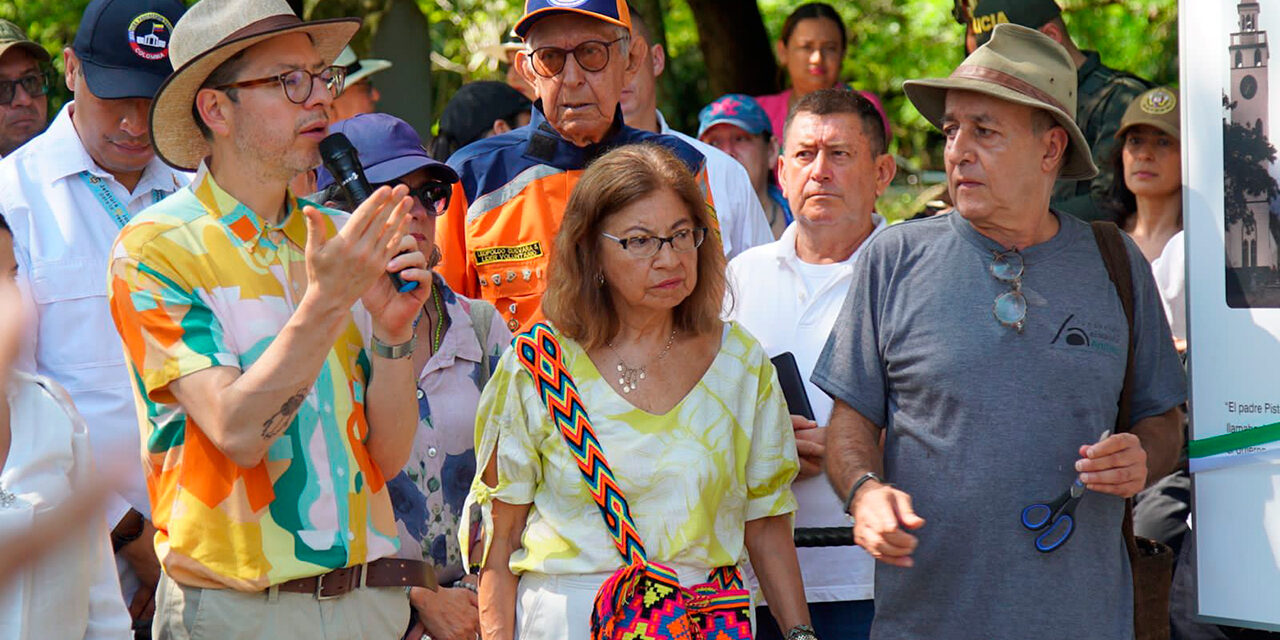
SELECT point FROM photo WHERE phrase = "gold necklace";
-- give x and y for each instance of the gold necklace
(630, 376)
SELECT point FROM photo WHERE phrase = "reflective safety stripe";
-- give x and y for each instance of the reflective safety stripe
(495, 199)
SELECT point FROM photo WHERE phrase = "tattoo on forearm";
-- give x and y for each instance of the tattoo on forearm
(277, 423)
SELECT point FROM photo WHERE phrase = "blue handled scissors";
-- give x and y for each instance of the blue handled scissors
(1056, 520)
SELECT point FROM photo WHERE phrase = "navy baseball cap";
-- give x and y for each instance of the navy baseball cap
(389, 148)
(123, 46)
(741, 111)
(611, 11)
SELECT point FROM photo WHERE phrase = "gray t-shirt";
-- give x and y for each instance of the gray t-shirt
(983, 421)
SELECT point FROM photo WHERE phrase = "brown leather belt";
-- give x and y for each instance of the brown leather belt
(385, 572)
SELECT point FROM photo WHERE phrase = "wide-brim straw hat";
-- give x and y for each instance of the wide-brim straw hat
(211, 32)
(1022, 66)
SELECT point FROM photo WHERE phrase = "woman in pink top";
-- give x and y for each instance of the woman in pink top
(811, 49)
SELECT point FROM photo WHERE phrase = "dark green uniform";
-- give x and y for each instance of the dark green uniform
(1104, 95)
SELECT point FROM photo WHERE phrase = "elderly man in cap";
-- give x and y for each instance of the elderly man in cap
(358, 94)
(271, 355)
(1105, 93)
(950, 369)
(742, 221)
(66, 194)
(507, 206)
(23, 85)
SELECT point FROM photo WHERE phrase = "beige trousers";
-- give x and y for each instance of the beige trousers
(192, 613)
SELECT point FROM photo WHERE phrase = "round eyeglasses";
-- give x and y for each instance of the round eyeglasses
(592, 56)
(640, 246)
(298, 83)
(1010, 307)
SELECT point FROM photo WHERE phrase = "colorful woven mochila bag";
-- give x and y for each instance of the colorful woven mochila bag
(642, 600)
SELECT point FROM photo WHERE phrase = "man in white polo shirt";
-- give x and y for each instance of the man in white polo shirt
(67, 193)
(788, 293)
(742, 221)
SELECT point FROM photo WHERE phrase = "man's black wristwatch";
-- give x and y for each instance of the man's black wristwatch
(801, 632)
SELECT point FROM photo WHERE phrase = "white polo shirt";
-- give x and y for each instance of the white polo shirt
(742, 220)
(62, 236)
(789, 305)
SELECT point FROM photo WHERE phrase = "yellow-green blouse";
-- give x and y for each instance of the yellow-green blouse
(694, 476)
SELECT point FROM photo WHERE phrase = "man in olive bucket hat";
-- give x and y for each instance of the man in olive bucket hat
(271, 355)
(989, 345)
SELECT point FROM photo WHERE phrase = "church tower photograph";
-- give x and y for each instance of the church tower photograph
(1251, 247)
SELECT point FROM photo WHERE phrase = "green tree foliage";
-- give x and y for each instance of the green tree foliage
(890, 41)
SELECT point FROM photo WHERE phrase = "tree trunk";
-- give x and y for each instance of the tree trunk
(735, 47)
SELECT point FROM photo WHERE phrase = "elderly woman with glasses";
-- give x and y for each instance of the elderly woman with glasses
(686, 408)
(458, 342)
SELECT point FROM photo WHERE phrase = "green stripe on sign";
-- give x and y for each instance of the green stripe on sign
(1206, 447)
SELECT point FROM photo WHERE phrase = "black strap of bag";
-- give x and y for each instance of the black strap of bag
(1150, 561)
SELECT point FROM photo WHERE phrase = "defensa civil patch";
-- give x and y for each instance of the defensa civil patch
(490, 255)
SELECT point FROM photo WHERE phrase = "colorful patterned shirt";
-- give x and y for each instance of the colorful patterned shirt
(199, 281)
(694, 476)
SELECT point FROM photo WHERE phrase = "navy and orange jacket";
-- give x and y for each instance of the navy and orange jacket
(496, 238)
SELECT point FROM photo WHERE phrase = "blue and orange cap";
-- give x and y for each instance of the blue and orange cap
(611, 11)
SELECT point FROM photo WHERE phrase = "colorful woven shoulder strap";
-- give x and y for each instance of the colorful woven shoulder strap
(539, 352)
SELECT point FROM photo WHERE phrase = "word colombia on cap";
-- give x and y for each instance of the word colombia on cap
(149, 36)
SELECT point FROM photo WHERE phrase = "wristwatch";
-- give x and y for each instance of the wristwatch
(394, 351)
(801, 632)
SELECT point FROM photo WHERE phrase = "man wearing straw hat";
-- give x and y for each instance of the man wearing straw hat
(956, 345)
(271, 356)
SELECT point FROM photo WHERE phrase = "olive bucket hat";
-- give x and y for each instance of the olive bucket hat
(1022, 66)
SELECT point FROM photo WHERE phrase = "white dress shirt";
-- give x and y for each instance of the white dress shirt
(789, 305)
(742, 220)
(71, 592)
(62, 236)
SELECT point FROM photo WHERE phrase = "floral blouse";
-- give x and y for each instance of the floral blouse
(428, 494)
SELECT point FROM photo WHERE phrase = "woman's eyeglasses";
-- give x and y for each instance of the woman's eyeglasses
(1010, 307)
(299, 83)
(592, 56)
(682, 241)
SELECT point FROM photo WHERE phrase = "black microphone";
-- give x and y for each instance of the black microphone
(343, 163)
